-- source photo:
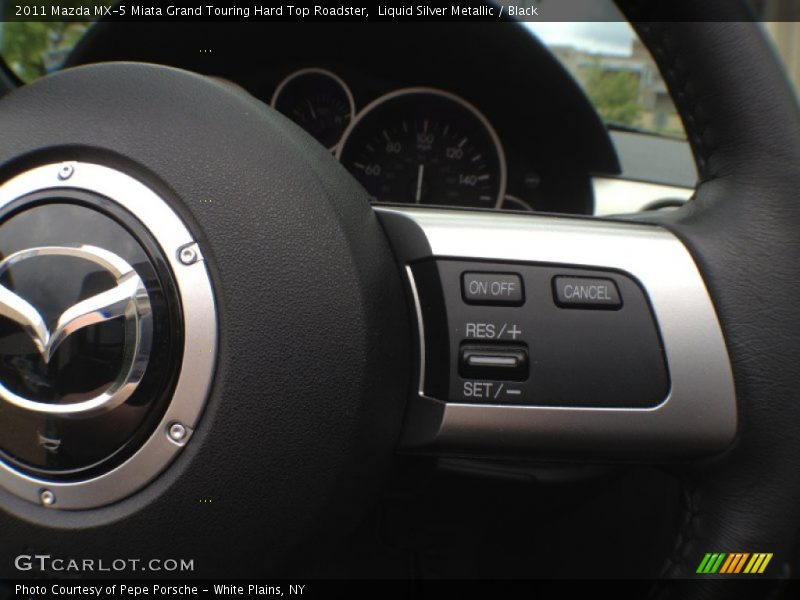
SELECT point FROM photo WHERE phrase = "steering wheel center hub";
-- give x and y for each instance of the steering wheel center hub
(98, 315)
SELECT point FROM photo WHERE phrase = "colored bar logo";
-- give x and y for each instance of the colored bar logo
(734, 563)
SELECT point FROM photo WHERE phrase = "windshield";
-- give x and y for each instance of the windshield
(605, 57)
(616, 71)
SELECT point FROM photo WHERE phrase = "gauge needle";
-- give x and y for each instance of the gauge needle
(420, 173)
(311, 108)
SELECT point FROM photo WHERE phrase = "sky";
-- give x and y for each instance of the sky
(590, 25)
(598, 37)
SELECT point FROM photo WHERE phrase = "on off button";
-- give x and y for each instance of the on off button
(492, 288)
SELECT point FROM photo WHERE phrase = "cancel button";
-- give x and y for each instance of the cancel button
(585, 292)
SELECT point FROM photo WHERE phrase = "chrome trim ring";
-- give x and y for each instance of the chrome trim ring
(199, 342)
(515, 203)
(697, 417)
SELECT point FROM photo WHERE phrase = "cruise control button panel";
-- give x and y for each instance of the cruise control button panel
(538, 335)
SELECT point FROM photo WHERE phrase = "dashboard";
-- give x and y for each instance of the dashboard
(475, 115)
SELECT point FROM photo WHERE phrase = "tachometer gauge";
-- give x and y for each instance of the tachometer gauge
(425, 146)
(317, 100)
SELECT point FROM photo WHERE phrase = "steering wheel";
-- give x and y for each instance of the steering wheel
(290, 335)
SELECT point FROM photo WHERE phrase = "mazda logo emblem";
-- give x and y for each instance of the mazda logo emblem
(127, 299)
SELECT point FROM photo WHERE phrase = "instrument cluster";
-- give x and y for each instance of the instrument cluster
(418, 145)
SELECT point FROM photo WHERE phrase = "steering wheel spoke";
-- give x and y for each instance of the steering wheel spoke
(546, 336)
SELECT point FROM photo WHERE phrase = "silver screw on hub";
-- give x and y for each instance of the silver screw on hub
(47, 498)
(177, 432)
(188, 255)
(65, 172)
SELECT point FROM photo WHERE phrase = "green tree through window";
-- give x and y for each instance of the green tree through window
(34, 49)
(615, 95)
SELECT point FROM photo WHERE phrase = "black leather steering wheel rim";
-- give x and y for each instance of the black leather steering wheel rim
(741, 119)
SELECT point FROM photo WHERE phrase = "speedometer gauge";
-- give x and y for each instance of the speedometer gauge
(425, 146)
